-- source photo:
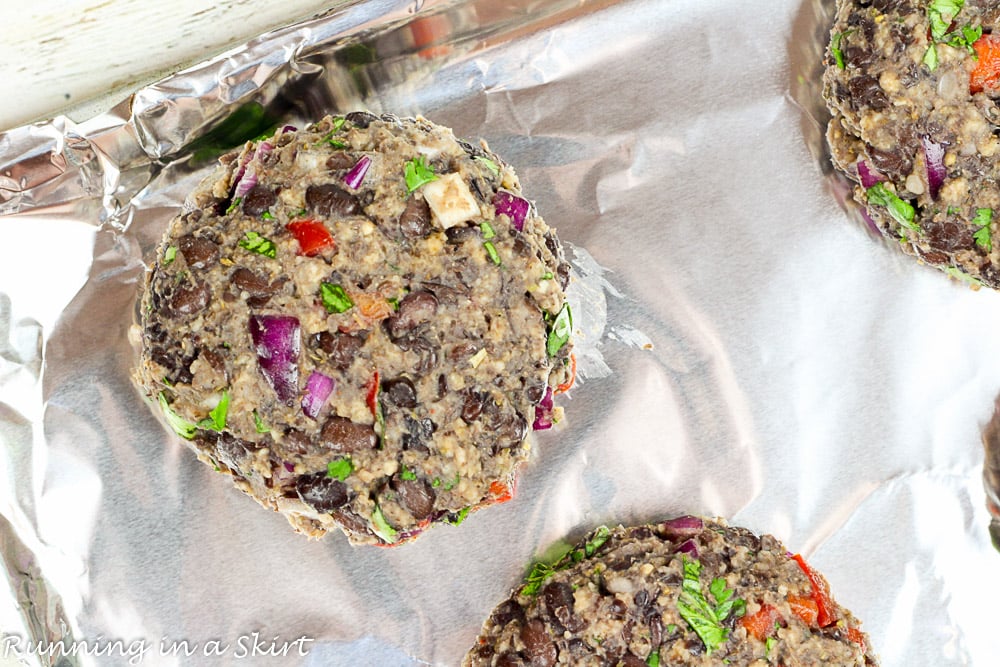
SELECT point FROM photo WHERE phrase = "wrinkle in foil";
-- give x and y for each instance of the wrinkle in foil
(746, 349)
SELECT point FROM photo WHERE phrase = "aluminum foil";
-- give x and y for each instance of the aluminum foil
(748, 350)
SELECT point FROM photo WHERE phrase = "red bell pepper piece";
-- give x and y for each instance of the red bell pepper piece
(761, 624)
(313, 236)
(820, 593)
(986, 73)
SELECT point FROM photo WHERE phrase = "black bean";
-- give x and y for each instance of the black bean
(948, 236)
(232, 450)
(459, 234)
(562, 273)
(190, 299)
(341, 349)
(895, 162)
(339, 160)
(618, 608)
(508, 611)
(415, 220)
(559, 600)
(510, 659)
(254, 284)
(296, 442)
(536, 391)
(400, 392)
(472, 406)
(361, 119)
(259, 199)
(866, 92)
(198, 251)
(538, 645)
(462, 351)
(341, 435)
(631, 660)
(321, 492)
(510, 431)
(331, 201)
(416, 495)
(414, 309)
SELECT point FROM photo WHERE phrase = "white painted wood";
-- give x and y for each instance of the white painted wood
(57, 54)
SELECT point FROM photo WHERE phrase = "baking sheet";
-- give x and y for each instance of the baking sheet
(748, 349)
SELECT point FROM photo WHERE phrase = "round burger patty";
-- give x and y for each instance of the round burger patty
(359, 321)
(687, 591)
(913, 87)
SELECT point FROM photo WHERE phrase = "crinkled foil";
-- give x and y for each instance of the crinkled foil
(747, 349)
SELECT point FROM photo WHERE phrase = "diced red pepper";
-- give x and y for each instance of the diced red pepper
(857, 637)
(371, 399)
(500, 492)
(563, 388)
(761, 624)
(986, 72)
(805, 608)
(820, 593)
(313, 236)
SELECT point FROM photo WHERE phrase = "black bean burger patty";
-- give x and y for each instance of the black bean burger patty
(359, 321)
(687, 591)
(912, 87)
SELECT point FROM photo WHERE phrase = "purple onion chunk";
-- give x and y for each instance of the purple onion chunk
(683, 527)
(289, 128)
(936, 172)
(514, 207)
(543, 412)
(689, 547)
(318, 389)
(868, 176)
(356, 175)
(277, 344)
(246, 184)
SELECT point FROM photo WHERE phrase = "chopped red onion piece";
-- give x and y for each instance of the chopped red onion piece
(289, 128)
(543, 412)
(683, 526)
(243, 167)
(870, 222)
(869, 176)
(276, 343)
(263, 149)
(356, 175)
(514, 207)
(289, 466)
(318, 389)
(246, 184)
(936, 172)
(690, 548)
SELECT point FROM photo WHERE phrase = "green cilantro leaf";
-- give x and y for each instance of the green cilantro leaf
(489, 164)
(901, 211)
(704, 618)
(596, 541)
(417, 173)
(266, 215)
(539, 573)
(487, 230)
(458, 517)
(259, 424)
(338, 123)
(838, 54)
(382, 527)
(254, 242)
(941, 13)
(448, 486)
(233, 206)
(654, 659)
(984, 216)
(340, 469)
(964, 38)
(181, 426)
(408, 474)
(931, 57)
(491, 250)
(560, 332)
(768, 645)
(335, 298)
(958, 274)
(169, 255)
(216, 420)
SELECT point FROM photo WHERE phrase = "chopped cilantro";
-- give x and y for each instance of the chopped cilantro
(671, 629)
(448, 486)
(408, 474)
(901, 211)
(984, 216)
(539, 573)
(941, 13)
(335, 298)
(254, 242)
(216, 420)
(958, 274)
(266, 215)
(338, 123)
(417, 173)
(768, 645)
(704, 618)
(654, 659)
(491, 250)
(559, 334)
(547, 275)
(181, 426)
(382, 527)
(487, 230)
(965, 38)
(436, 482)
(169, 255)
(596, 541)
(234, 205)
(931, 57)
(489, 164)
(838, 54)
(340, 468)
(336, 143)
(259, 424)
(456, 518)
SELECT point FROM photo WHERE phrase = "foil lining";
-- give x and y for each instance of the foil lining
(748, 349)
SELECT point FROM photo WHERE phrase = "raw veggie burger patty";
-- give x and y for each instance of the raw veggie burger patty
(684, 592)
(913, 87)
(359, 321)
